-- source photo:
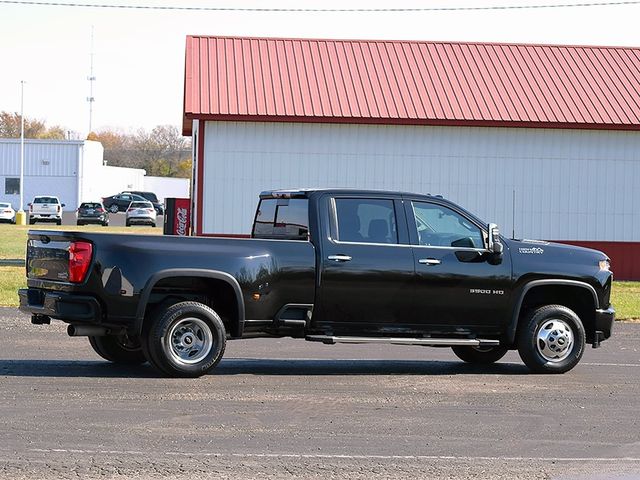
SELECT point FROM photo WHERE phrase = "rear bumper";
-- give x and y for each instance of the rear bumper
(92, 219)
(45, 216)
(141, 220)
(62, 306)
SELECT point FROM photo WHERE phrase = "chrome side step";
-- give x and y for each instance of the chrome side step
(433, 342)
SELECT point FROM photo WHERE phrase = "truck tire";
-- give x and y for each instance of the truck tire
(186, 339)
(479, 355)
(118, 349)
(551, 339)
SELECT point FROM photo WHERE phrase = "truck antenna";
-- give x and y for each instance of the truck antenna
(513, 216)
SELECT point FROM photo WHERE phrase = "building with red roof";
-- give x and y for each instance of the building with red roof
(542, 139)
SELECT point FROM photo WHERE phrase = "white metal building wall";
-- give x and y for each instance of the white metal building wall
(166, 187)
(50, 168)
(569, 184)
(71, 170)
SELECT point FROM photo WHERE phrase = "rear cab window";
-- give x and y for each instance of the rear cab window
(282, 219)
(45, 200)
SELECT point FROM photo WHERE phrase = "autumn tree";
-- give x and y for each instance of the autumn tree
(33, 128)
(161, 152)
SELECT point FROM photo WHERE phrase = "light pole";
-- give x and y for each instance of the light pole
(20, 215)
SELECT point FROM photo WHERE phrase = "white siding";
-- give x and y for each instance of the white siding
(50, 168)
(569, 184)
(71, 170)
(166, 187)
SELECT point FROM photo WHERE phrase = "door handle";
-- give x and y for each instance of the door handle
(429, 261)
(339, 258)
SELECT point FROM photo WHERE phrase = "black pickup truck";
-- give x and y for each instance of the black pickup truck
(332, 266)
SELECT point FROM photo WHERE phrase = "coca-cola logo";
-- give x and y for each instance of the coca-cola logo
(182, 220)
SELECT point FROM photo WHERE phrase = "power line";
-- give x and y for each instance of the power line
(287, 10)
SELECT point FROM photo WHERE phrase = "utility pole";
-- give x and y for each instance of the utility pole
(20, 215)
(91, 79)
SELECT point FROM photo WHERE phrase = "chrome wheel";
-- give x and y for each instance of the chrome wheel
(189, 341)
(113, 208)
(554, 340)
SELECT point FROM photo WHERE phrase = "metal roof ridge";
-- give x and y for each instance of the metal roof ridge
(416, 41)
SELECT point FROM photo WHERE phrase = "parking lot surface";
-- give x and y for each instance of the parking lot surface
(281, 408)
(115, 219)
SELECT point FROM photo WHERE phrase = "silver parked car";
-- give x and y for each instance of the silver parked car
(141, 213)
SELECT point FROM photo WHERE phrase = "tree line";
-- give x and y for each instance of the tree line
(163, 151)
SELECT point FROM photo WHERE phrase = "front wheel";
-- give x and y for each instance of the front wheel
(479, 355)
(551, 340)
(186, 340)
(123, 349)
(113, 208)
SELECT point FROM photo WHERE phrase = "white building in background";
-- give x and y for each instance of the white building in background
(74, 171)
(167, 187)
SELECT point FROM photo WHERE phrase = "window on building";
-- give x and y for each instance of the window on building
(442, 227)
(366, 220)
(282, 218)
(12, 186)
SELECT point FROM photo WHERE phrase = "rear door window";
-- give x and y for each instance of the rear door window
(366, 220)
(282, 218)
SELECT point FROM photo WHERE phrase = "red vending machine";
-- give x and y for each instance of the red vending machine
(177, 216)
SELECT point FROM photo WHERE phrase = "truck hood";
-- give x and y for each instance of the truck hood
(542, 247)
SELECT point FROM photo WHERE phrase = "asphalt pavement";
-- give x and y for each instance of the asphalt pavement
(284, 408)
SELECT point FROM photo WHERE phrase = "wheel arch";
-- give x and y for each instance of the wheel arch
(193, 273)
(555, 285)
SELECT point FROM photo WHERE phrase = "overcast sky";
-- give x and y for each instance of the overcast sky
(139, 54)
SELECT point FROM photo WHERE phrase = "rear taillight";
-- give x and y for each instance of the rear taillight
(129, 209)
(79, 260)
(100, 210)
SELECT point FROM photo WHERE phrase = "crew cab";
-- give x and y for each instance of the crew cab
(330, 266)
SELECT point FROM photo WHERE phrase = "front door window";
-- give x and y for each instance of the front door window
(439, 226)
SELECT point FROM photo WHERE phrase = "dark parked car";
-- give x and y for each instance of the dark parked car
(120, 202)
(92, 212)
(159, 206)
(331, 266)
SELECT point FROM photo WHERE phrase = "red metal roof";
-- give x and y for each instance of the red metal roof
(411, 82)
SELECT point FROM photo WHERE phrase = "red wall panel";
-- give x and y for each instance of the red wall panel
(625, 256)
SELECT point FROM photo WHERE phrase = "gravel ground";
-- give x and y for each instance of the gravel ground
(283, 408)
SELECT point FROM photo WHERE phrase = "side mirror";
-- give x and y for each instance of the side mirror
(28, 204)
(494, 244)
(63, 205)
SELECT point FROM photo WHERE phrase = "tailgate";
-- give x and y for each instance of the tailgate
(48, 256)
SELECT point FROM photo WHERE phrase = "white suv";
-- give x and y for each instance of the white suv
(45, 209)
